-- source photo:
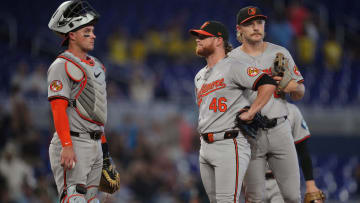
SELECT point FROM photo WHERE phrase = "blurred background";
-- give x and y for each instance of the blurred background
(150, 62)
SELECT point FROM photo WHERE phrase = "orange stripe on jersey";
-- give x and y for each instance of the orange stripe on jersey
(237, 169)
(306, 137)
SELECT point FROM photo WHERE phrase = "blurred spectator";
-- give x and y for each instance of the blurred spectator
(20, 77)
(306, 48)
(4, 190)
(138, 50)
(154, 40)
(142, 84)
(5, 122)
(280, 31)
(118, 47)
(19, 113)
(37, 83)
(332, 53)
(297, 16)
(175, 42)
(16, 171)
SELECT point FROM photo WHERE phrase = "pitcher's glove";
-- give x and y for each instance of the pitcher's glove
(314, 197)
(110, 178)
(281, 68)
(250, 128)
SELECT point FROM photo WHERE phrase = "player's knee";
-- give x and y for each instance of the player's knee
(75, 194)
(91, 194)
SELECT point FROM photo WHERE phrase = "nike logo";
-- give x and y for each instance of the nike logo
(197, 79)
(97, 75)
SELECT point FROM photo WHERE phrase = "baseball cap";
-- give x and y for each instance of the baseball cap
(213, 29)
(247, 13)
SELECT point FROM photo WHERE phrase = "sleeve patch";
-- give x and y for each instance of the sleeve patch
(304, 125)
(296, 71)
(56, 85)
(252, 71)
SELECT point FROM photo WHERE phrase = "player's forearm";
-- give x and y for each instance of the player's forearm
(297, 91)
(104, 146)
(305, 160)
(264, 94)
(61, 121)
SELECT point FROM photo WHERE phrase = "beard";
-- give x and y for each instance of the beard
(204, 51)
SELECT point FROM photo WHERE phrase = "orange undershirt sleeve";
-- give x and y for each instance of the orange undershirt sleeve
(61, 120)
(103, 138)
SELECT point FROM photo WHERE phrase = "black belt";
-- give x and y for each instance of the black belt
(94, 135)
(209, 137)
(269, 175)
(274, 122)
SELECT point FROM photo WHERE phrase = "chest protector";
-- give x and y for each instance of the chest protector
(89, 99)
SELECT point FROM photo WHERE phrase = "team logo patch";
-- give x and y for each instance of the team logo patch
(296, 71)
(56, 85)
(304, 125)
(251, 11)
(252, 71)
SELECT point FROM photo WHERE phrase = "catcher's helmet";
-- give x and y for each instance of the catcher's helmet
(71, 16)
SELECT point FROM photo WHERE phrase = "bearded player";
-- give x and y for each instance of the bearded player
(220, 86)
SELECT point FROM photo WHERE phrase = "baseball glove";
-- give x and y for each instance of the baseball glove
(110, 178)
(281, 68)
(314, 197)
(250, 128)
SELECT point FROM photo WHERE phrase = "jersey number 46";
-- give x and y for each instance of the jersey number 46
(218, 104)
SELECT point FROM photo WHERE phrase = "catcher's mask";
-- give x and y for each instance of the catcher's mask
(71, 16)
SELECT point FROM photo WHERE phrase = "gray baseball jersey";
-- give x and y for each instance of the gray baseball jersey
(62, 86)
(275, 145)
(219, 93)
(276, 107)
(300, 130)
(79, 82)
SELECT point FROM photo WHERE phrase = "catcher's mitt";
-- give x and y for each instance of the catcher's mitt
(314, 197)
(250, 128)
(110, 178)
(281, 68)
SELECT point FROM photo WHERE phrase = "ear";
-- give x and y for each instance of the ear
(237, 27)
(219, 41)
(72, 35)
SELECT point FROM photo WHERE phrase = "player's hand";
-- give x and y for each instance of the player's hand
(277, 79)
(311, 186)
(68, 158)
(247, 116)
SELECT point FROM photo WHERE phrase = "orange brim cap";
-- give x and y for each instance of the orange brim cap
(200, 32)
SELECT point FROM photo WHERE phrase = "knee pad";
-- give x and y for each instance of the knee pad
(74, 194)
(91, 194)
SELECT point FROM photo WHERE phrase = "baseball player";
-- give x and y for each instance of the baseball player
(301, 133)
(77, 94)
(274, 145)
(224, 152)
